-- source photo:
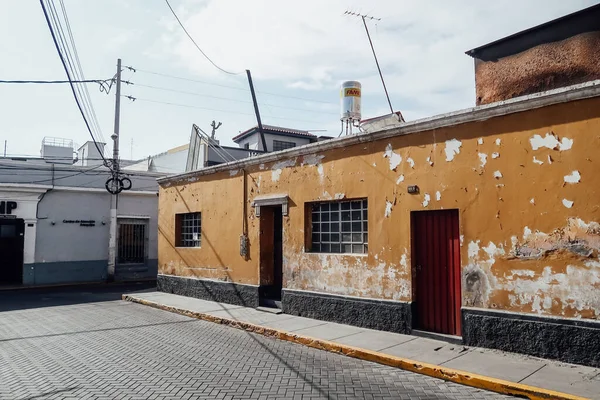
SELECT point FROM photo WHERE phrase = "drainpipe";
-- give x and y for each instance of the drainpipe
(244, 237)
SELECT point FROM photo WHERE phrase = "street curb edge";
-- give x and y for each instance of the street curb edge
(436, 371)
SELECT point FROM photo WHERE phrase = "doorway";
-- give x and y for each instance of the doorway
(271, 256)
(12, 241)
(436, 271)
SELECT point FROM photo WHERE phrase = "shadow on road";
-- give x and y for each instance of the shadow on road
(55, 392)
(21, 299)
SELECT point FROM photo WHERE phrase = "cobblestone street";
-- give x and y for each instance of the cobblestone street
(86, 343)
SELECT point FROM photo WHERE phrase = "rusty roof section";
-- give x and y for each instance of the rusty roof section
(585, 20)
(274, 129)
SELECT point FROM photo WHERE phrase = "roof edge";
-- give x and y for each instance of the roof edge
(474, 50)
(272, 130)
(473, 114)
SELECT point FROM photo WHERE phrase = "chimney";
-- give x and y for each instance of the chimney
(88, 154)
(559, 53)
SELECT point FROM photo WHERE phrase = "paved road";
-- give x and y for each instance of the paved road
(86, 343)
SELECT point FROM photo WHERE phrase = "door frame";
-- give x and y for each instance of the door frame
(270, 268)
(454, 292)
(19, 224)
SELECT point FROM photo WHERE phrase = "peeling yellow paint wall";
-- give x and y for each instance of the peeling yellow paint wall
(527, 188)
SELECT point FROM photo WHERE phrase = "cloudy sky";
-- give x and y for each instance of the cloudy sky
(298, 52)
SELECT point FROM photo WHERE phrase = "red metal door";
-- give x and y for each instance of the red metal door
(436, 261)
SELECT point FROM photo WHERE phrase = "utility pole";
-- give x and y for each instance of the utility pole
(260, 127)
(112, 240)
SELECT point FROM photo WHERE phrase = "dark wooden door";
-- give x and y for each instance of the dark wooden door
(271, 252)
(436, 261)
(277, 253)
(12, 239)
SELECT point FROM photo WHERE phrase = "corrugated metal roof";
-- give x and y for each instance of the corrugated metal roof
(274, 129)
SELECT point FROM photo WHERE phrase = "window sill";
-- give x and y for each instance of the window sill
(338, 254)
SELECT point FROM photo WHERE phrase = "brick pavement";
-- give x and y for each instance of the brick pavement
(121, 350)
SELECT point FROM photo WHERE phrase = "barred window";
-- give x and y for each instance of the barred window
(188, 229)
(339, 227)
(281, 145)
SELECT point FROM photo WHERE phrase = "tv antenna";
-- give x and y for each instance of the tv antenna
(214, 128)
(364, 18)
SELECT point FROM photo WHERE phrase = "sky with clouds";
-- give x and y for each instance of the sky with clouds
(298, 52)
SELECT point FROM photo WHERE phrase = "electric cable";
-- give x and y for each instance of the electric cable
(228, 99)
(71, 84)
(82, 76)
(229, 87)
(133, 99)
(196, 44)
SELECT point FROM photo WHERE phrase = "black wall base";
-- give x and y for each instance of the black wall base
(382, 315)
(222, 292)
(567, 340)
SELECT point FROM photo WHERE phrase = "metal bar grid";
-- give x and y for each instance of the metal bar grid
(190, 233)
(131, 243)
(282, 145)
(340, 227)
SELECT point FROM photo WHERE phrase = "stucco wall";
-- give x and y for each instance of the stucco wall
(526, 187)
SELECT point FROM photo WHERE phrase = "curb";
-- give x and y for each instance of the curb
(436, 371)
(70, 285)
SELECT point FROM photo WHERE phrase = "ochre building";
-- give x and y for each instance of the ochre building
(481, 224)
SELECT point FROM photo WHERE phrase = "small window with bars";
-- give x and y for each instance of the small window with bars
(132, 242)
(281, 145)
(339, 227)
(188, 229)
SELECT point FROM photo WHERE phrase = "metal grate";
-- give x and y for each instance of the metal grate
(132, 243)
(282, 145)
(339, 227)
(190, 228)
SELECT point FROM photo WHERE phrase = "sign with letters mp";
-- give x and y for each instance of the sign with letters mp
(7, 207)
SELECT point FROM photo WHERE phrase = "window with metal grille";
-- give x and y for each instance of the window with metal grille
(131, 243)
(339, 227)
(281, 145)
(188, 229)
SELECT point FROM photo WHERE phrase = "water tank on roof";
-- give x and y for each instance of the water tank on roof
(350, 97)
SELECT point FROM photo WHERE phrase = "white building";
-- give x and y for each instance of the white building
(208, 151)
(55, 219)
(276, 138)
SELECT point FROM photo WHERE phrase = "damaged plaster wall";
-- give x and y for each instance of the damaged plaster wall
(504, 265)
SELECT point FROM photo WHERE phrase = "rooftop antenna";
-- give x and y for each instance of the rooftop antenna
(364, 17)
(214, 128)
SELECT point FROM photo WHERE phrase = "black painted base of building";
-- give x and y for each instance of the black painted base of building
(567, 340)
(393, 316)
(222, 292)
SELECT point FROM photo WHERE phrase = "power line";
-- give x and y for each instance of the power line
(196, 44)
(102, 82)
(228, 98)
(132, 98)
(85, 89)
(229, 87)
(71, 84)
(77, 73)
(61, 177)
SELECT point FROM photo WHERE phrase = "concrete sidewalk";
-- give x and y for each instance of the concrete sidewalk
(447, 359)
